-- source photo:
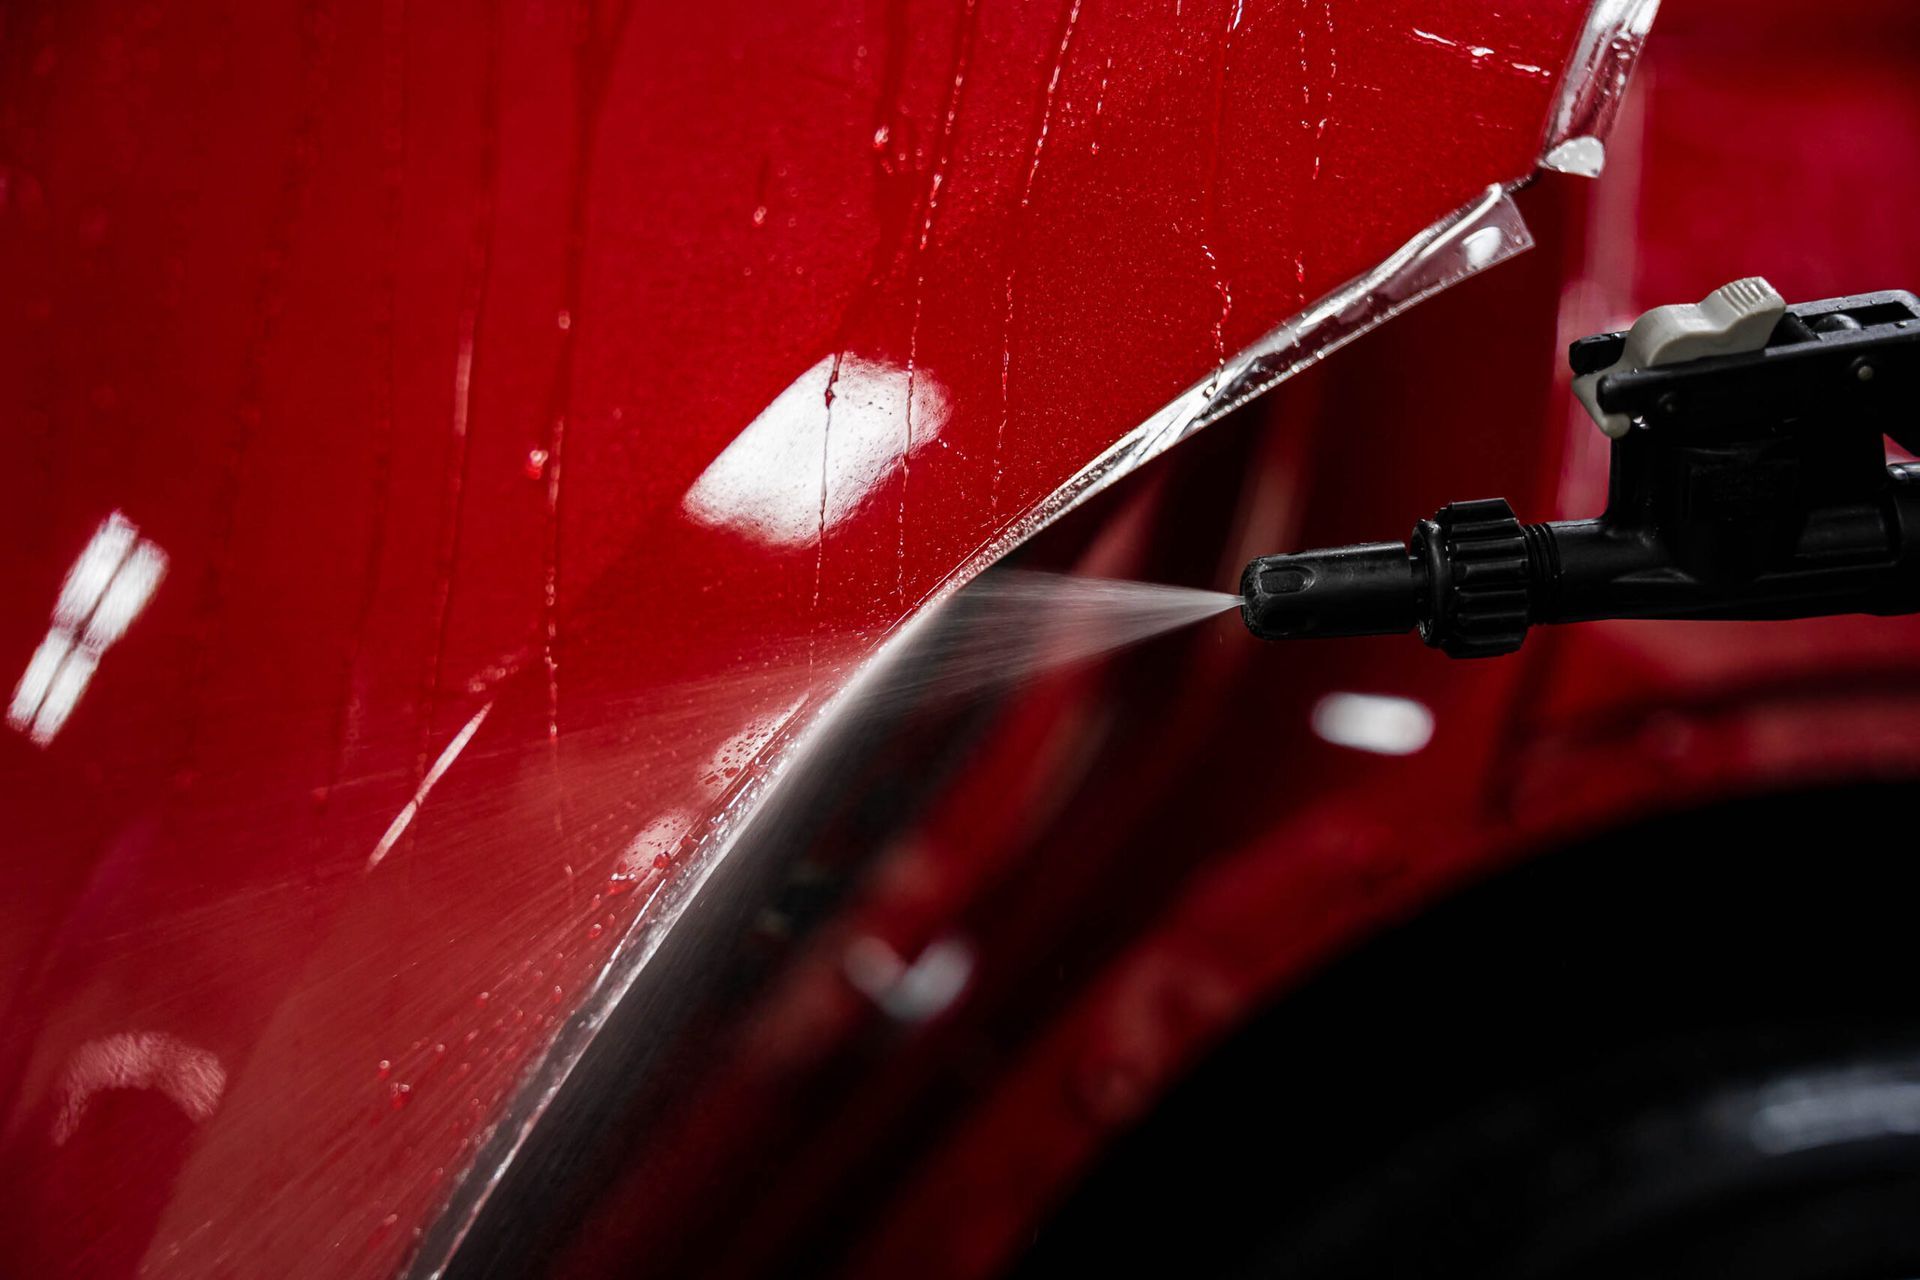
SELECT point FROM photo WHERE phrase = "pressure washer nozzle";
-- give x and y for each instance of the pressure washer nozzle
(1367, 590)
(1465, 579)
(1749, 480)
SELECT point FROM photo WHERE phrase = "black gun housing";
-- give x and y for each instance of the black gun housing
(1752, 486)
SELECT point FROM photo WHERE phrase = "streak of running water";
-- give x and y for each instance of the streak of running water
(1010, 626)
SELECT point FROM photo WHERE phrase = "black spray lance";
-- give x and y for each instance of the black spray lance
(1749, 480)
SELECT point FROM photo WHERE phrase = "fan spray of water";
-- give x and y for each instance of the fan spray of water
(1013, 625)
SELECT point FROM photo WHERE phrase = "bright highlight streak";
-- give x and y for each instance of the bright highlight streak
(784, 477)
(190, 1077)
(1373, 722)
(87, 580)
(411, 809)
(33, 686)
(68, 684)
(107, 588)
(126, 596)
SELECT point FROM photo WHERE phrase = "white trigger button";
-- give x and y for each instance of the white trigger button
(1733, 319)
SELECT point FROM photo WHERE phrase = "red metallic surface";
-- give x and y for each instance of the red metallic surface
(1144, 858)
(539, 410)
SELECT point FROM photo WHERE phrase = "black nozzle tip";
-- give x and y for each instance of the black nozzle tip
(1370, 589)
(1273, 596)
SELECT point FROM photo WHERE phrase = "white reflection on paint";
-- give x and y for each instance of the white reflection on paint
(126, 595)
(1374, 722)
(660, 836)
(909, 992)
(411, 809)
(767, 483)
(732, 756)
(116, 575)
(87, 580)
(644, 862)
(189, 1077)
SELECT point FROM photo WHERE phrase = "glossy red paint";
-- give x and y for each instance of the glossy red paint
(521, 417)
(1197, 851)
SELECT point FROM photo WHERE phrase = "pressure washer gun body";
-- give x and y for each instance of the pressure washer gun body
(1749, 480)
